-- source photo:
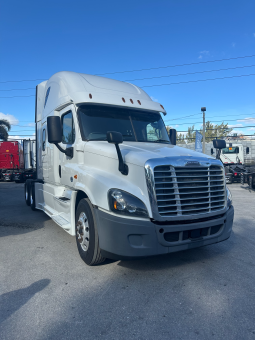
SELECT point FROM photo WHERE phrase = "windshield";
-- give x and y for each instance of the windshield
(230, 150)
(134, 125)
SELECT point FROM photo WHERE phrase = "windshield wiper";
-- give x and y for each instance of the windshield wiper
(161, 140)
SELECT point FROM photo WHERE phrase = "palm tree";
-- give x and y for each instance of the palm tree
(5, 126)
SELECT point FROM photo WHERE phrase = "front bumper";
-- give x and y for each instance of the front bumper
(122, 238)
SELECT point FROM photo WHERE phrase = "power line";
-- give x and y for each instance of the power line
(144, 69)
(210, 137)
(241, 114)
(170, 75)
(182, 82)
(236, 127)
(29, 88)
(216, 121)
(21, 131)
(195, 81)
(178, 65)
(19, 81)
(32, 95)
(184, 74)
(182, 117)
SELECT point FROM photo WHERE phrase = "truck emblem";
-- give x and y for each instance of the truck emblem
(192, 163)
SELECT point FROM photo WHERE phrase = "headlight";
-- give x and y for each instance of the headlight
(229, 197)
(123, 203)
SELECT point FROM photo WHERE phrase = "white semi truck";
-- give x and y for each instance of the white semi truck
(109, 174)
(242, 151)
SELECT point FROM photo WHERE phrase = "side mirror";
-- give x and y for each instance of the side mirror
(54, 129)
(172, 136)
(116, 138)
(219, 143)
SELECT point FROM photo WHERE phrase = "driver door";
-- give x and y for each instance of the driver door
(67, 164)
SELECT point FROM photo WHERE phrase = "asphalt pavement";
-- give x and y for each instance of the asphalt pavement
(47, 291)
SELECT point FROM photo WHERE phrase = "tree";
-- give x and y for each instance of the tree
(5, 127)
(211, 131)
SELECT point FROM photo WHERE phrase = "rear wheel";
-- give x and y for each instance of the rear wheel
(32, 196)
(251, 185)
(86, 234)
(27, 188)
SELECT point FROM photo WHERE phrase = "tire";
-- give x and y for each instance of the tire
(32, 196)
(86, 234)
(251, 185)
(27, 191)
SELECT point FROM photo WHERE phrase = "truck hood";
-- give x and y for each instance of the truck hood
(138, 153)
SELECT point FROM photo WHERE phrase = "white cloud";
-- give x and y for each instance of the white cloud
(203, 53)
(233, 44)
(17, 137)
(254, 35)
(248, 120)
(154, 99)
(235, 125)
(176, 126)
(10, 118)
(31, 124)
(251, 129)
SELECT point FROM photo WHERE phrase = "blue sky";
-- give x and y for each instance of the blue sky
(40, 38)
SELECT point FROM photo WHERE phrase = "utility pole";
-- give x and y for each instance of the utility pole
(203, 109)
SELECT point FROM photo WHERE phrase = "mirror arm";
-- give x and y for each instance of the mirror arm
(67, 151)
(123, 168)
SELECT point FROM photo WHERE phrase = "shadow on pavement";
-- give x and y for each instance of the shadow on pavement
(13, 301)
(15, 216)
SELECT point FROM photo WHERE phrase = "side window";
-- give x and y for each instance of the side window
(68, 132)
(153, 133)
(47, 95)
(43, 139)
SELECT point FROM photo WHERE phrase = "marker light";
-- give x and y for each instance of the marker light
(123, 99)
(138, 101)
(131, 100)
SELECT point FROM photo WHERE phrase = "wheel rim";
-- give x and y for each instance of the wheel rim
(31, 198)
(82, 231)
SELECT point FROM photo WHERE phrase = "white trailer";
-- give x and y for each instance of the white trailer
(108, 173)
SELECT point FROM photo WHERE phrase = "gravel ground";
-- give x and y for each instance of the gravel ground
(47, 292)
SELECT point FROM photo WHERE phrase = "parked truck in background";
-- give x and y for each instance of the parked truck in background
(29, 169)
(11, 159)
(236, 156)
(109, 174)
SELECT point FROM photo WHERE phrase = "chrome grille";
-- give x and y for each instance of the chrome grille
(189, 190)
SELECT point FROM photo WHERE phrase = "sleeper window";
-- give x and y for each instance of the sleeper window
(43, 139)
(47, 95)
(68, 132)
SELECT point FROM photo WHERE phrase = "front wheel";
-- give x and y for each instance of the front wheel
(86, 234)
